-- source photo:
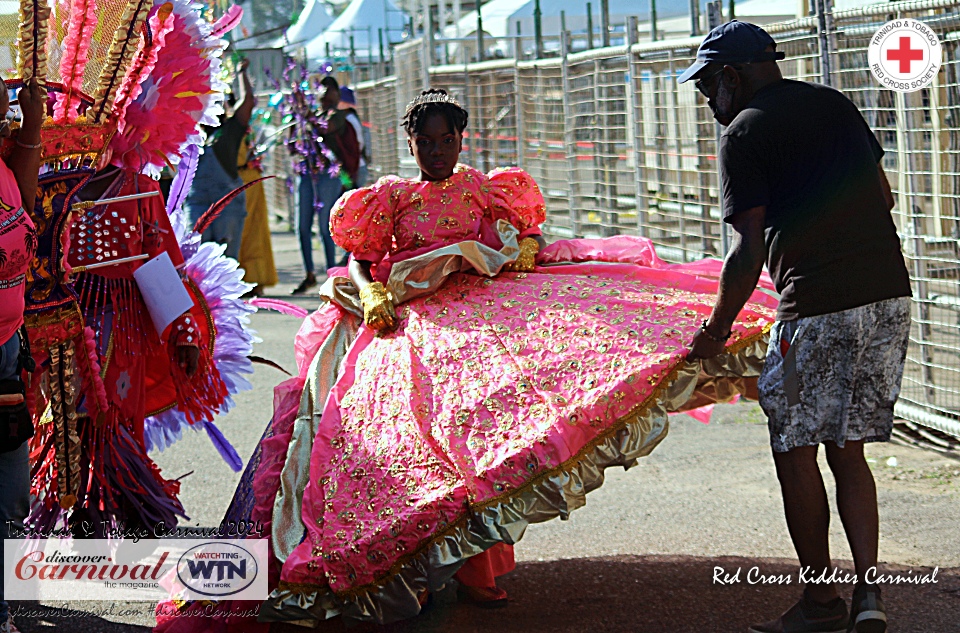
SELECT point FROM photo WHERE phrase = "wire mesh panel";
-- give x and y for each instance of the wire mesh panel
(492, 100)
(602, 190)
(377, 104)
(541, 95)
(920, 132)
(454, 80)
(488, 93)
(677, 139)
(617, 146)
(410, 79)
(279, 189)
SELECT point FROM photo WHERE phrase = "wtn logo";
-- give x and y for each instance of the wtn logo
(224, 568)
(219, 569)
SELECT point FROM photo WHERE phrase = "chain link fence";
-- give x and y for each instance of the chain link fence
(618, 146)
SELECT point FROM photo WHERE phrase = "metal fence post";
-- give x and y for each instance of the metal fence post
(673, 102)
(383, 62)
(426, 57)
(569, 141)
(824, 30)
(517, 99)
(913, 228)
(639, 160)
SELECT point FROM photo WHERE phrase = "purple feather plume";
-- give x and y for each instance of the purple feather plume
(182, 182)
(224, 447)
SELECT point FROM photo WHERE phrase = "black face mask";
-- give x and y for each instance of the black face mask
(722, 105)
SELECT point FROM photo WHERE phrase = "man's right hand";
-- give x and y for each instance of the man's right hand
(378, 310)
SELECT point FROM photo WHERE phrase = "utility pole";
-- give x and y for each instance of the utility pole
(604, 23)
(589, 26)
(695, 17)
(714, 15)
(563, 22)
(538, 28)
(479, 38)
(653, 21)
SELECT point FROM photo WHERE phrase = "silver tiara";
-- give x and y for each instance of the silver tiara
(435, 97)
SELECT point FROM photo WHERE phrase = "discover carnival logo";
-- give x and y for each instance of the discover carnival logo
(905, 55)
(148, 569)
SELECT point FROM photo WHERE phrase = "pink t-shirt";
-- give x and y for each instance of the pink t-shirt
(18, 242)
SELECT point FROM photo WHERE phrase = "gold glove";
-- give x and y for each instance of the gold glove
(378, 310)
(527, 259)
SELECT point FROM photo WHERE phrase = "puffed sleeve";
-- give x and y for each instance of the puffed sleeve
(362, 221)
(516, 198)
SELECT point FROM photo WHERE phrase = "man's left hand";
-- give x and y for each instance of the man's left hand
(705, 346)
(188, 357)
(32, 99)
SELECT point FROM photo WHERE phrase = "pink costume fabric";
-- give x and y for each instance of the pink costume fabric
(488, 386)
(18, 241)
(497, 402)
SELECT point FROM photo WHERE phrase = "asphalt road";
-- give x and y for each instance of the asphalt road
(642, 555)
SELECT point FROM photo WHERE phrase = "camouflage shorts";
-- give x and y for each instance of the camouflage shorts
(835, 377)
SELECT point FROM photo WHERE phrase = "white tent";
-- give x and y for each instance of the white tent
(362, 20)
(313, 21)
(500, 17)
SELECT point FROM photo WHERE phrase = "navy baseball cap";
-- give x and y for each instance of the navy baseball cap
(346, 96)
(733, 43)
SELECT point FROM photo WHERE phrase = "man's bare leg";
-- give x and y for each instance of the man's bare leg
(808, 514)
(856, 502)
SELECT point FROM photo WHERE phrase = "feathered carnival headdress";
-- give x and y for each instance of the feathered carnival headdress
(79, 49)
(151, 66)
(172, 87)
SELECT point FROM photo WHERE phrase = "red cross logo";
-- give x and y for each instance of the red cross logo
(905, 55)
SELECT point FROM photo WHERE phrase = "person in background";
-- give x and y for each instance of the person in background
(217, 173)
(348, 103)
(256, 250)
(815, 206)
(319, 187)
(18, 242)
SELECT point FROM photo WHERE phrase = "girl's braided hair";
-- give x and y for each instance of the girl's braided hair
(434, 101)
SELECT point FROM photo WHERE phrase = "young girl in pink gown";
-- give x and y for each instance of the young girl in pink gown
(465, 381)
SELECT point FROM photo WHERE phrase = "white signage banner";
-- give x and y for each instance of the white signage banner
(145, 570)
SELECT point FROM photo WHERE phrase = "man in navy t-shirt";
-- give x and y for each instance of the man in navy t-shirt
(802, 187)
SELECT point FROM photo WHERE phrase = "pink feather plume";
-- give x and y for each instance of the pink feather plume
(144, 60)
(279, 306)
(76, 48)
(228, 21)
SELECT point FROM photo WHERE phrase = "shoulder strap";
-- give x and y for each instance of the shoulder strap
(25, 361)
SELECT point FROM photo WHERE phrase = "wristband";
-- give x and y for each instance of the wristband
(717, 339)
(27, 145)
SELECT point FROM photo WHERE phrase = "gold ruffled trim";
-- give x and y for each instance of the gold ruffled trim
(548, 495)
(32, 49)
(118, 58)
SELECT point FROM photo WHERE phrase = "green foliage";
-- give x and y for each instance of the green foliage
(271, 14)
